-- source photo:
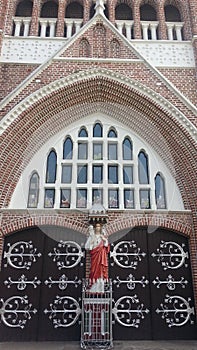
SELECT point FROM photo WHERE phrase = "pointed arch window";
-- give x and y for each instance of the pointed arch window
(68, 148)
(97, 130)
(127, 149)
(112, 133)
(83, 132)
(143, 172)
(160, 195)
(84, 48)
(33, 191)
(51, 167)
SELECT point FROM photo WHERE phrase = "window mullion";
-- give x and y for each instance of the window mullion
(74, 176)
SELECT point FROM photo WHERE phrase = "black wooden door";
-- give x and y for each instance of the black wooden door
(40, 281)
(152, 286)
(172, 302)
(130, 275)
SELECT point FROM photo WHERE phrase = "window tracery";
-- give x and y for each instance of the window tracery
(98, 167)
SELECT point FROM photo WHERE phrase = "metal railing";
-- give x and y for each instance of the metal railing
(96, 326)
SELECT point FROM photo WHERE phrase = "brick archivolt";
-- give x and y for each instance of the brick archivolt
(53, 87)
(63, 102)
(118, 221)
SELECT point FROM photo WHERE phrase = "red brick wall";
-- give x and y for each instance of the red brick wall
(184, 79)
(13, 75)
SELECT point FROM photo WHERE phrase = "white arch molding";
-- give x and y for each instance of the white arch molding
(98, 73)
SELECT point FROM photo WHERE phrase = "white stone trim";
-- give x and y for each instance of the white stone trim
(30, 50)
(105, 60)
(164, 53)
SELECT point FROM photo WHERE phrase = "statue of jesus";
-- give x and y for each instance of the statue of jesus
(97, 244)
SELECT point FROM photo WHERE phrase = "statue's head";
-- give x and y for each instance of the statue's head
(98, 229)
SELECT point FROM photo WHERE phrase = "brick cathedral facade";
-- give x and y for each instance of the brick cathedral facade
(128, 67)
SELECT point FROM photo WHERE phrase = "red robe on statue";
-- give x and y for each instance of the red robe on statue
(99, 262)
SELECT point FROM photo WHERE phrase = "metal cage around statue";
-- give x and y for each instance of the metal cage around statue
(96, 328)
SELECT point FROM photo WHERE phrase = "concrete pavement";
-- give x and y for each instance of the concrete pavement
(118, 345)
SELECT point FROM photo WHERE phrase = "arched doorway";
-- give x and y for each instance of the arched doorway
(40, 283)
(152, 286)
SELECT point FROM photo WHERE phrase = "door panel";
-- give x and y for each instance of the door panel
(62, 280)
(20, 281)
(171, 286)
(40, 283)
(130, 278)
(152, 286)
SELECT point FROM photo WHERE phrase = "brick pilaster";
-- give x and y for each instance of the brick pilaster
(35, 18)
(161, 19)
(60, 19)
(136, 17)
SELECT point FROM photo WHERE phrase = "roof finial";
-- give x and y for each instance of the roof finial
(99, 7)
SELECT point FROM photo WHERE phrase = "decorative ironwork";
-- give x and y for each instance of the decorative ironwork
(176, 311)
(64, 312)
(63, 282)
(16, 311)
(171, 255)
(129, 312)
(96, 317)
(130, 282)
(126, 254)
(67, 254)
(21, 255)
(170, 282)
(22, 282)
